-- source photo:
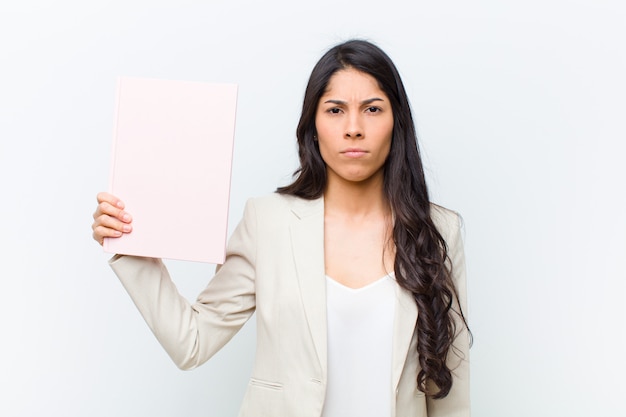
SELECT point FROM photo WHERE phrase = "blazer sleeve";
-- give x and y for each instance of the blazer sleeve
(457, 402)
(193, 332)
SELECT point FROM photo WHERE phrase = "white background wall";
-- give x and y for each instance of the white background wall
(521, 112)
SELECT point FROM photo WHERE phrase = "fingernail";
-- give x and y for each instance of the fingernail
(127, 228)
(117, 233)
(126, 217)
(120, 204)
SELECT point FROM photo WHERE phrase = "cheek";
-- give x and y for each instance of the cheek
(325, 141)
(386, 151)
(323, 129)
(324, 151)
(388, 134)
(385, 147)
(385, 134)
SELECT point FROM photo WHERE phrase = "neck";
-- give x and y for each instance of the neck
(360, 199)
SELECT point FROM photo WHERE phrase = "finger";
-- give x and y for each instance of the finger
(100, 232)
(106, 226)
(111, 199)
(112, 223)
(105, 208)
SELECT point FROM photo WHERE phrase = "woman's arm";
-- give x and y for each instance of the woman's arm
(192, 332)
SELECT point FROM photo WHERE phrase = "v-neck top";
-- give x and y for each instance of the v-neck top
(360, 333)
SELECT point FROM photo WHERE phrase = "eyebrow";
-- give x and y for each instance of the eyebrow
(364, 102)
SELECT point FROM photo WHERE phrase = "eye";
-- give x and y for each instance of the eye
(334, 110)
(373, 109)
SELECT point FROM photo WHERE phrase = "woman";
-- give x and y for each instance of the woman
(336, 265)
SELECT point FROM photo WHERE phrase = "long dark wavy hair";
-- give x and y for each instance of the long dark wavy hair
(421, 259)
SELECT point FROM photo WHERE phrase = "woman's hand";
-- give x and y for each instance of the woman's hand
(110, 219)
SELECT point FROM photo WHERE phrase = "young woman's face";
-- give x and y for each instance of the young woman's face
(354, 123)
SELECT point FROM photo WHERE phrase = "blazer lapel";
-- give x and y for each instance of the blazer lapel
(307, 238)
(403, 329)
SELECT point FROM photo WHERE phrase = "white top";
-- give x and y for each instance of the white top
(360, 333)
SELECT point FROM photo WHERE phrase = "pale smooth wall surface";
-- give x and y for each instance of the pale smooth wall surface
(520, 108)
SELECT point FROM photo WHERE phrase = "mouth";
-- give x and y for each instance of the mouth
(353, 152)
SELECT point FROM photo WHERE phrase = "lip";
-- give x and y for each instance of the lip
(353, 152)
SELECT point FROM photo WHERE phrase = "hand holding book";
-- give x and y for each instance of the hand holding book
(110, 219)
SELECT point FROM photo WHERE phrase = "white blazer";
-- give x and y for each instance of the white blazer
(275, 266)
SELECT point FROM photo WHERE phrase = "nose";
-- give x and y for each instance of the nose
(354, 129)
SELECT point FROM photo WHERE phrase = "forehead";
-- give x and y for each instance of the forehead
(352, 82)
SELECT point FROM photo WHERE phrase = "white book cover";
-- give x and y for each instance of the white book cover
(171, 165)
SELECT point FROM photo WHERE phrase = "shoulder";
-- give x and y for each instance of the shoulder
(447, 221)
(450, 225)
(273, 200)
(443, 216)
(270, 203)
(279, 205)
